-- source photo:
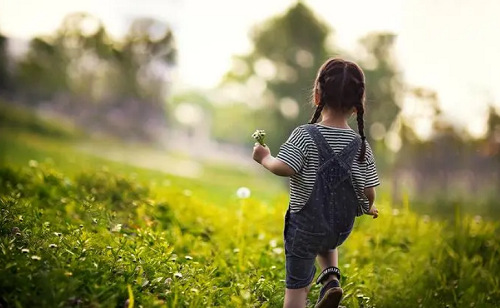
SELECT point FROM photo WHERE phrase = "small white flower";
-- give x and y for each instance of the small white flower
(243, 192)
(37, 258)
(25, 250)
(117, 228)
(278, 250)
(273, 267)
(273, 243)
(178, 275)
(188, 258)
(52, 246)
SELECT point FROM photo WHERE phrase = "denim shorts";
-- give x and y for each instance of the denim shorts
(301, 249)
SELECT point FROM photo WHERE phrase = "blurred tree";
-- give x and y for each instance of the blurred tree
(281, 69)
(144, 60)
(109, 83)
(4, 62)
(384, 85)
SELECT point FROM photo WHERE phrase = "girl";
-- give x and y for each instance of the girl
(332, 180)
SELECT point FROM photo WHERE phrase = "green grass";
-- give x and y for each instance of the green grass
(81, 231)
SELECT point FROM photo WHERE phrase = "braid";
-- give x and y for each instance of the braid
(360, 110)
(317, 112)
(322, 101)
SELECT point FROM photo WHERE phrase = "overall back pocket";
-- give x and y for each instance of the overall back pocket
(305, 244)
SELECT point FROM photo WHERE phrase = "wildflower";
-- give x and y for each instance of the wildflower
(195, 290)
(37, 258)
(243, 192)
(117, 228)
(52, 246)
(259, 135)
(109, 247)
(25, 250)
(278, 250)
(273, 243)
(169, 280)
(188, 258)
(81, 226)
(94, 221)
(58, 234)
(273, 267)
(178, 275)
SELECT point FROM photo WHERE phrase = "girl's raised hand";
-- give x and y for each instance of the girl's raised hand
(260, 152)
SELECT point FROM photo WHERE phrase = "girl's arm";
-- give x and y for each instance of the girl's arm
(263, 156)
(370, 195)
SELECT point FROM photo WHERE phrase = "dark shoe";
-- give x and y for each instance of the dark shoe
(330, 295)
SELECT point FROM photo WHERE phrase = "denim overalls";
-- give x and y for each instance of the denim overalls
(327, 218)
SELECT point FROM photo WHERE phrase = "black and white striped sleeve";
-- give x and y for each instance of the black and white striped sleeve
(293, 152)
(372, 179)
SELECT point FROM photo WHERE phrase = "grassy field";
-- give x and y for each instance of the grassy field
(81, 231)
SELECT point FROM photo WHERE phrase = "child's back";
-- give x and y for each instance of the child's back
(301, 153)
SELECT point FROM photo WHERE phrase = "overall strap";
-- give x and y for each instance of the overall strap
(324, 150)
(349, 153)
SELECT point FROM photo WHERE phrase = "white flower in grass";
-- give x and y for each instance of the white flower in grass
(278, 250)
(117, 228)
(273, 243)
(36, 258)
(188, 258)
(243, 192)
(178, 275)
(52, 246)
(25, 250)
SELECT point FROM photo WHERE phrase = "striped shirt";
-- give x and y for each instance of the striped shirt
(300, 153)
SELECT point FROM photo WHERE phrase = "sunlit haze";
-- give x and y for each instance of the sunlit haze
(450, 46)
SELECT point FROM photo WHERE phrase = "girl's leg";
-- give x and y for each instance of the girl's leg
(296, 298)
(327, 259)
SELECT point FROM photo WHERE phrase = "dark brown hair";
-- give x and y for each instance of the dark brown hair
(341, 86)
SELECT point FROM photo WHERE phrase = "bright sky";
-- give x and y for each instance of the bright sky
(451, 46)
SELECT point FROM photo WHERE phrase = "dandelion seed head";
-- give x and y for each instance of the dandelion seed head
(243, 192)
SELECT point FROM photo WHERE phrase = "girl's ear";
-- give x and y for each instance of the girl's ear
(316, 97)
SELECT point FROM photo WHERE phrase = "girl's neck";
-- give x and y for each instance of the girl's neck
(334, 119)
